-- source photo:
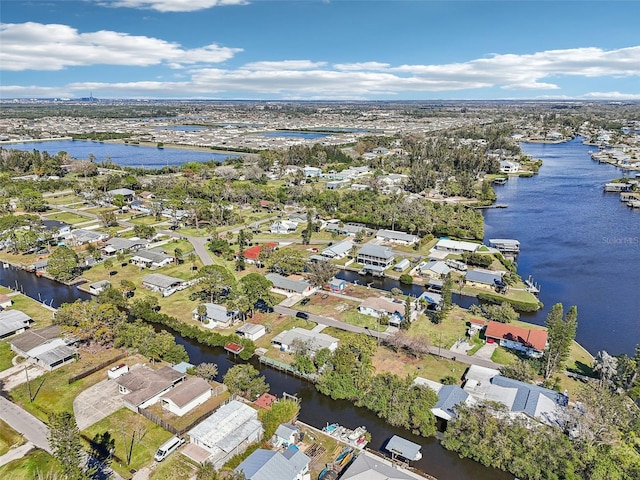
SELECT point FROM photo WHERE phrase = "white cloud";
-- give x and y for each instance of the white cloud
(284, 65)
(361, 66)
(172, 5)
(612, 96)
(35, 46)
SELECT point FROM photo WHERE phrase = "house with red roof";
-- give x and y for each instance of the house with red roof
(531, 342)
(252, 254)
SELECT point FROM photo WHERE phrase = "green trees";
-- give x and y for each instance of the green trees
(91, 321)
(155, 346)
(62, 264)
(286, 261)
(561, 333)
(65, 441)
(31, 201)
(255, 288)
(144, 231)
(246, 381)
(320, 273)
(215, 282)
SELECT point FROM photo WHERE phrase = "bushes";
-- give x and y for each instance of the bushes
(406, 279)
(516, 304)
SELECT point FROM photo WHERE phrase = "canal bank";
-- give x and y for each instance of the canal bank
(316, 409)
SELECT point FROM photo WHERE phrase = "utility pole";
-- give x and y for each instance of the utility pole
(28, 384)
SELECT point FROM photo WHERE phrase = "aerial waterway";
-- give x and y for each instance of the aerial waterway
(316, 409)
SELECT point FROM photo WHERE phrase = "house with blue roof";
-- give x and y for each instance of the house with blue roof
(271, 465)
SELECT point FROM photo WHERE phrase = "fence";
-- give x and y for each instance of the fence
(89, 371)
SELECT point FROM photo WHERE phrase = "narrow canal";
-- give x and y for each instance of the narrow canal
(316, 409)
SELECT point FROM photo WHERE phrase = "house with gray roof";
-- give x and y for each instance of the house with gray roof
(46, 347)
(312, 341)
(286, 434)
(481, 277)
(157, 282)
(116, 245)
(142, 387)
(80, 236)
(392, 236)
(216, 316)
(252, 331)
(226, 433)
(367, 466)
(100, 286)
(127, 193)
(13, 321)
(154, 258)
(186, 396)
(403, 448)
(375, 257)
(436, 269)
(264, 464)
(290, 285)
(449, 397)
(56, 228)
(343, 229)
(338, 250)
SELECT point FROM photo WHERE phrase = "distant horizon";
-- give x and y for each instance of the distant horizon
(308, 50)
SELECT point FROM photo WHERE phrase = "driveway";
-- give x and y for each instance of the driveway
(96, 403)
(486, 351)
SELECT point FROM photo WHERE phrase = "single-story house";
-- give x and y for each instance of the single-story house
(530, 341)
(39, 265)
(505, 245)
(252, 254)
(371, 255)
(314, 341)
(81, 236)
(343, 229)
(431, 300)
(393, 236)
(127, 193)
(437, 269)
(283, 227)
(476, 325)
(97, 287)
(286, 434)
(13, 321)
(265, 464)
(123, 245)
(252, 331)
(479, 277)
(337, 285)
(5, 301)
(157, 282)
(455, 246)
(228, 432)
(143, 387)
(217, 316)
(154, 258)
(311, 171)
(186, 396)
(57, 228)
(290, 285)
(140, 206)
(402, 265)
(521, 399)
(337, 184)
(338, 250)
(449, 397)
(379, 306)
(45, 347)
(367, 466)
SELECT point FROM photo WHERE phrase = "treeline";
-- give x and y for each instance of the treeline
(100, 136)
(19, 162)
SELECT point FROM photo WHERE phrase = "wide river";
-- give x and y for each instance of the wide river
(580, 244)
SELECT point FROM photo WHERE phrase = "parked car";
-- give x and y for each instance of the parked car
(305, 301)
(303, 315)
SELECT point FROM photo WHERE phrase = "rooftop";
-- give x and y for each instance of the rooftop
(529, 337)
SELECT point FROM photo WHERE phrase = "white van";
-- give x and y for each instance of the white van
(167, 447)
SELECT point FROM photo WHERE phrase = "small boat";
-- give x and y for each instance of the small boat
(357, 433)
(330, 428)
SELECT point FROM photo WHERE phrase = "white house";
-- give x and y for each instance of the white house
(314, 341)
(143, 387)
(283, 227)
(455, 246)
(186, 396)
(311, 172)
(286, 434)
(265, 464)
(375, 257)
(437, 269)
(164, 284)
(252, 331)
(507, 166)
(392, 236)
(338, 250)
(379, 306)
(226, 433)
(289, 285)
(154, 258)
(217, 316)
(12, 322)
(97, 287)
(5, 301)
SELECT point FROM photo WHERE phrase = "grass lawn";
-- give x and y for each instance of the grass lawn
(37, 464)
(120, 425)
(42, 315)
(278, 323)
(174, 466)
(9, 438)
(5, 289)
(354, 317)
(447, 332)
(52, 391)
(64, 199)
(331, 446)
(6, 355)
(146, 220)
(68, 217)
(503, 356)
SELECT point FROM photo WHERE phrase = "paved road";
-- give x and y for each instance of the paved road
(22, 421)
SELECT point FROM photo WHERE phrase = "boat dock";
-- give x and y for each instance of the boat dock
(354, 438)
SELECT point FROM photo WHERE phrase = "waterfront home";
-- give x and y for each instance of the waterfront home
(449, 397)
(216, 316)
(338, 250)
(337, 285)
(252, 331)
(507, 166)
(475, 326)
(430, 300)
(265, 464)
(293, 284)
(617, 187)
(38, 266)
(392, 236)
(186, 396)
(368, 466)
(283, 227)
(225, 434)
(98, 287)
(521, 399)
(434, 269)
(142, 387)
(5, 301)
(157, 282)
(456, 246)
(46, 347)
(13, 322)
(82, 236)
(380, 306)
(505, 245)
(402, 265)
(154, 258)
(375, 257)
(479, 277)
(286, 435)
(312, 341)
(123, 245)
(529, 341)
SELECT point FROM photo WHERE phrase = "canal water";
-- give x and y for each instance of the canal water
(580, 244)
(316, 409)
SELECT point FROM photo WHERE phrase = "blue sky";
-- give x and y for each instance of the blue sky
(315, 50)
